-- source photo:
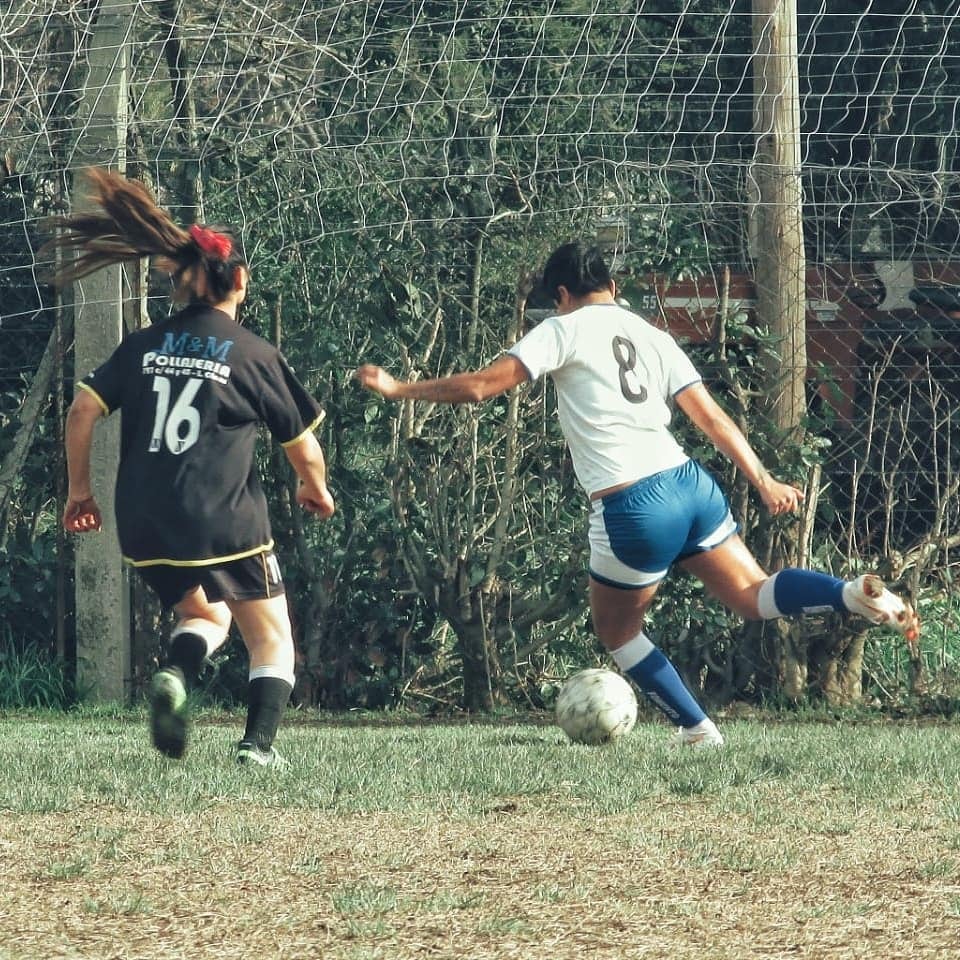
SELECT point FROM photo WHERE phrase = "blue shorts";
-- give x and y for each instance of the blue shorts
(637, 533)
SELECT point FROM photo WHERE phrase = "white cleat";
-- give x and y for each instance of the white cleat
(868, 597)
(697, 739)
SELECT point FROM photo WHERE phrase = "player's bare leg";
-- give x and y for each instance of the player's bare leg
(730, 573)
(202, 628)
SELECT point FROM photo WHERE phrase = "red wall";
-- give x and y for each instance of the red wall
(841, 298)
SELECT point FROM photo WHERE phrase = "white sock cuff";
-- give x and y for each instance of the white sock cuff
(272, 670)
(632, 652)
(211, 632)
(766, 605)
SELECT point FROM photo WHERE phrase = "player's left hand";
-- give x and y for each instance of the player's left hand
(780, 497)
(81, 516)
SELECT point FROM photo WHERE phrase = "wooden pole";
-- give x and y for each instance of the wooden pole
(776, 225)
(102, 586)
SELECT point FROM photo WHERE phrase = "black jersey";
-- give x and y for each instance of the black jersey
(192, 392)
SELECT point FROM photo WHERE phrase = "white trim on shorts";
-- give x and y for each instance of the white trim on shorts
(606, 568)
(725, 530)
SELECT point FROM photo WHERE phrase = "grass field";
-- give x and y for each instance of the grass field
(385, 840)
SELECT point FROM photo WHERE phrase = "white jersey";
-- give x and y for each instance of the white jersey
(614, 375)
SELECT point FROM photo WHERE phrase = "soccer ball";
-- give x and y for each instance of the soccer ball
(596, 706)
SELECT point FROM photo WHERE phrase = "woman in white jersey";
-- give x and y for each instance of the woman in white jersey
(651, 506)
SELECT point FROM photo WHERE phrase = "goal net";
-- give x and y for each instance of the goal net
(399, 144)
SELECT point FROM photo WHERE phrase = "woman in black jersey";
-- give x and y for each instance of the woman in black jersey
(192, 519)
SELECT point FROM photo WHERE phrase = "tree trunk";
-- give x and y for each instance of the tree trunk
(102, 585)
(836, 663)
(792, 648)
(185, 170)
(776, 238)
(482, 672)
(33, 407)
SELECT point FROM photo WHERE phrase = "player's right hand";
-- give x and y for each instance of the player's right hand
(316, 500)
(376, 379)
(81, 516)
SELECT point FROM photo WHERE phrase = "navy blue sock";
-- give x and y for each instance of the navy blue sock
(796, 592)
(658, 679)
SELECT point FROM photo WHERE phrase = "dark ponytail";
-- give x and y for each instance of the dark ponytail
(126, 223)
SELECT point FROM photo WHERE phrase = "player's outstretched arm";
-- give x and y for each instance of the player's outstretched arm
(469, 387)
(709, 417)
(307, 459)
(81, 513)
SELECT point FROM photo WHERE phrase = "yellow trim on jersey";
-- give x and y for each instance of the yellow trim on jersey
(300, 436)
(96, 396)
(209, 562)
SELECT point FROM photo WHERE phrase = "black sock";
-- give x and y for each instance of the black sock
(188, 651)
(266, 699)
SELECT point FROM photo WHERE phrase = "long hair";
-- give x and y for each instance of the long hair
(125, 223)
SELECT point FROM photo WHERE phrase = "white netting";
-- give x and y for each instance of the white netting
(638, 114)
(370, 130)
(587, 97)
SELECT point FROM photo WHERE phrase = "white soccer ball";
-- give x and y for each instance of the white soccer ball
(596, 706)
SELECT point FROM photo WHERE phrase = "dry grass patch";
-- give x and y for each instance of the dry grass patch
(802, 877)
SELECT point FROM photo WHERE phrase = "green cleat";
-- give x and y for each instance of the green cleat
(168, 712)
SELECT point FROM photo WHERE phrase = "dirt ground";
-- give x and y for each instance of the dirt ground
(678, 880)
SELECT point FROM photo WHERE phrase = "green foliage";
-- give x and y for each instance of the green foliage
(395, 188)
(30, 565)
(24, 306)
(28, 584)
(929, 685)
(29, 560)
(29, 677)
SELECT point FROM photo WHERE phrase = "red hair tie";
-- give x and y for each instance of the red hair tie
(210, 242)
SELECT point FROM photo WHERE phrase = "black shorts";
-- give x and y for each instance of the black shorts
(250, 578)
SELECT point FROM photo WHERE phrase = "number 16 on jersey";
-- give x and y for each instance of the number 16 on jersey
(177, 428)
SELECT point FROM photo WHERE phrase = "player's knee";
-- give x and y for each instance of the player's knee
(275, 650)
(195, 605)
(746, 604)
(213, 632)
(212, 622)
(268, 641)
